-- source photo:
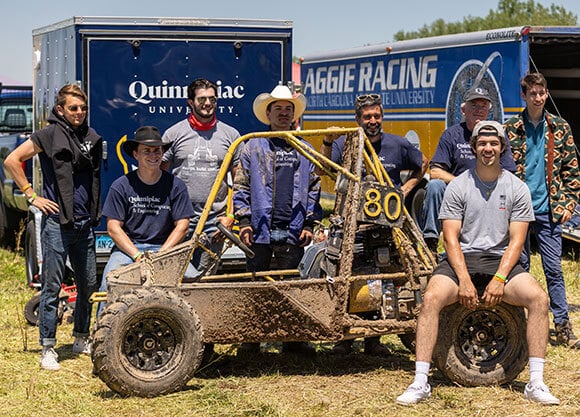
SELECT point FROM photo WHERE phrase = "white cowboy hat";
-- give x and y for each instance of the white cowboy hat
(280, 92)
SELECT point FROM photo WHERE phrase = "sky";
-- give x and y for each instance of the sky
(319, 25)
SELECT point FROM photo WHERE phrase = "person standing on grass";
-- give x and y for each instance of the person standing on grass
(276, 193)
(546, 160)
(198, 147)
(70, 154)
(485, 214)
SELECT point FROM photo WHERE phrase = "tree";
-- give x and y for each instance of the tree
(509, 13)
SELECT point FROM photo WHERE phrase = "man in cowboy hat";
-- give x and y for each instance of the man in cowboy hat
(198, 147)
(70, 155)
(396, 154)
(276, 191)
(148, 209)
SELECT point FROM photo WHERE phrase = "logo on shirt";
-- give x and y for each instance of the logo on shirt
(502, 202)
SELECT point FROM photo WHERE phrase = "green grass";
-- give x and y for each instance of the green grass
(270, 385)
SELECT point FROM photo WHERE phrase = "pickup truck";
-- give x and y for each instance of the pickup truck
(15, 127)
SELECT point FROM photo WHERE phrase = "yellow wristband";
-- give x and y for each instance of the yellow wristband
(231, 216)
(498, 279)
(136, 256)
(26, 187)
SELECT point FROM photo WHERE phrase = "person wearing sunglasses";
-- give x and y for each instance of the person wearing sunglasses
(70, 154)
(199, 144)
(396, 154)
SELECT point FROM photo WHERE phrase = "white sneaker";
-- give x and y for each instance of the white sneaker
(82, 345)
(49, 359)
(540, 393)
(415, 393)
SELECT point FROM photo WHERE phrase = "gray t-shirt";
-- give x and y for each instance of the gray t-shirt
(486, 218)
(196, 157)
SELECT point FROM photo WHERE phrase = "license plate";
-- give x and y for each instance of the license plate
(104, 243)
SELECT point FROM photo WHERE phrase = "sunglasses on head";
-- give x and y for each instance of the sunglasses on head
(368, 99)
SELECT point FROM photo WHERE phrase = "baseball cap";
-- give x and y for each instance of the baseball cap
(475, 93)
(488, 125)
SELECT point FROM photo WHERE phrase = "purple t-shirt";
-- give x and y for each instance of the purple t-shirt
(148, 212)
(454, 153)
(395, 153)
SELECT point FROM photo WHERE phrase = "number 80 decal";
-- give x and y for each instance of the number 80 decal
(389, 202)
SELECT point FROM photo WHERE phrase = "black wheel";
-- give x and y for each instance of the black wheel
(31, 310)
(408, 340)
(30, 255)
(147, 343)
(414, 204)
(485, 346)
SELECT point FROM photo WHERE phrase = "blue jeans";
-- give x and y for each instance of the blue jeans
(549, 238)
(78, 244)
(119, 259)
(431, 206)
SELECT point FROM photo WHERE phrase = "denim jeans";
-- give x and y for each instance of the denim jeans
(431, 206)
(549, 237)
(78, 244)
(118, 259)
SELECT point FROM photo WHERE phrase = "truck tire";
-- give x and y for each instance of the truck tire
(147, 343)
(30, 255)
(485, 346)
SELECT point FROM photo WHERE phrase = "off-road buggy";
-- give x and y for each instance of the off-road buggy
(365, 279)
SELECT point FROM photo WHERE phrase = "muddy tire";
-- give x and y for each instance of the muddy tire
(147, 343)
(486, 346)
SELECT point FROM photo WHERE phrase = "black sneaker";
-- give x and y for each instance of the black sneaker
(565, 335)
